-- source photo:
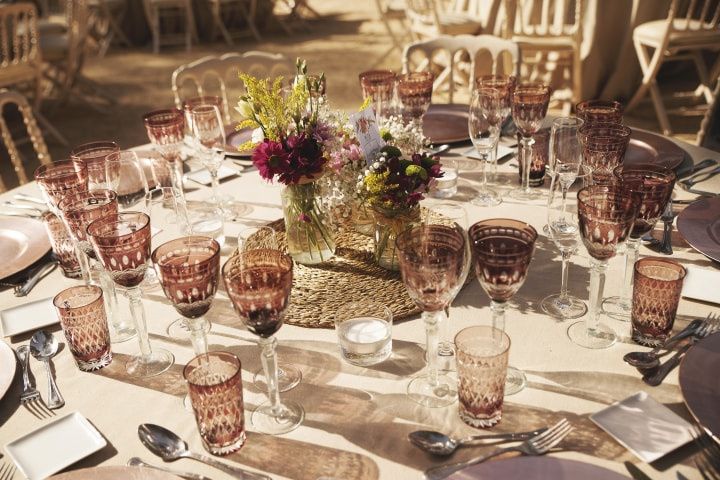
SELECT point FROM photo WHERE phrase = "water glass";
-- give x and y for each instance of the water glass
(207, 220)
(482, 361)
(215, 384)
(364, 330)
(62, 245)
(446, 185)
(657, 285)
(81, 311)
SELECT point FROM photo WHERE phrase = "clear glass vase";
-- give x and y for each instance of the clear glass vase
(308, 230)
(388, 225)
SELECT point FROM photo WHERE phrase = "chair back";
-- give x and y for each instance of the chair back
(423, 17)
(694, 15)
(450, 49)
(547, 18)
(9, 97)
(20, 57)
(213, 75)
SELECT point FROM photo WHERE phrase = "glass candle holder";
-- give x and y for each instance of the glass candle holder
(81, 311)
(62, 245)
(364, 330)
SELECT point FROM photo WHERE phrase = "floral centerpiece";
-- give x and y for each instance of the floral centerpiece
(393, 187)
(294, 151)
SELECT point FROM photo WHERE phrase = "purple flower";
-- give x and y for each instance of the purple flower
(303, 217)
(270, 158)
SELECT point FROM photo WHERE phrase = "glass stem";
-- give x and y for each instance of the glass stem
(498, 315)
(215, 185)
(494, 161)
(632, 253)
(137, 312)
(565, 255)
(432, 319)
(598, 268)
(84, 262)
(483, 166)
(197, 334)
(268, 357)
(111, 301)
(177, 174)
(526, 153)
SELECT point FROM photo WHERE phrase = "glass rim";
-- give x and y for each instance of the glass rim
(469, 330)
(366, 304)
(94, 146)
(665, 263)
(408, 234)
(617, 129)
(594, 102)
(233, 261)
(497, 77)
(92, 288)
(594, 190)
(519, 226)
(375, 76)
(60, 168)
(204, 109)
(202, 100)
(190, 365)
(163, 117)
(668, 175)
(116, 156)
(568, 122)
(116, 218)
(416, 77)
(184, 242)
(69, 204)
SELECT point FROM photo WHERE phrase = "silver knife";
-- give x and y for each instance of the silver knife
(683, 172)
(137, 462)
(635, 472)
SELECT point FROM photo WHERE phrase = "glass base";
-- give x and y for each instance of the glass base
(525, 194)
(95, 364)
(649, 340)
(288, 377)
(160, 360)
(565, 308)
(546, 230)
(290, 418)
(179, 330)
(226, 448)
(150, 282)
(480, 422)
(515, 381)
(600, 337)
(438, 395)
(446, 349)
(618, 308)
(233, 210)
(313, 258)
(486, 198)
(122, 334)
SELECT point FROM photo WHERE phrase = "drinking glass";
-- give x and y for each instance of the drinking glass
(122, 243)
(605, 217)
(563, 231)
(258, 283)
(379, 85)
(193, 102)
(126, 176)
(78, 211)
(600, 111)
(255, 238)
(364, 330)
(188, 270)
(93, 154)
(166, 130)
(59, 179)
(653, 185)
(446, 186)
(506, 85)
(415, 94)
(529, 107)
(503, 249)
(657, 287)
(215, 389)
(603, 147)
(206, 219)
(484, 127)
(81, 311)
(63, 246)
(482, 358)
(432, 260)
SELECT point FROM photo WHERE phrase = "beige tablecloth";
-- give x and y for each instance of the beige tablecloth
(357, 419)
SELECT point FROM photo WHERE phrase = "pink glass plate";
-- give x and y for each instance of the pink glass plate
(23, 241)
(647, 147)
(446, 123)
(8, 365)
(699, 224)
(234, 139)
(115, 473)
(698, 382)
(536, 468)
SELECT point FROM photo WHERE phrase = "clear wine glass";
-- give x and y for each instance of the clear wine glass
(432, 260)
(506, 85)
(166, 131)
(94, 155)
(605, 216)
(125, 176)
(529, 108)
(122, 243)
(259, 283)
(484, 122)
(653, 185)
(503, 249)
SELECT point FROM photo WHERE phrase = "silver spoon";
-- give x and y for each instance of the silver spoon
(137, 462)
(651, 359)
(439, 150)
(168, 446)
(440, 444)
(44, 346)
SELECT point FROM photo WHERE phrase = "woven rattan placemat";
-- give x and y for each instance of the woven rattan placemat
(350, 275)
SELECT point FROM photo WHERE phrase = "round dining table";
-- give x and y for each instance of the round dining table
(358, 419)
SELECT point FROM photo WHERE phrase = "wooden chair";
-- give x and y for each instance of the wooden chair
(392, 14)
(461, 56)
(428, 19)
(21, 61)
(247, 10)
(550, 34)
(109, 15)
(709, 134)
(160, 12)
(690, 27)
(9, 97)
(219, 76)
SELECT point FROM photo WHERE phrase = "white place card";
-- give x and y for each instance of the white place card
(367, 132)
(702, 284)
(28, 317)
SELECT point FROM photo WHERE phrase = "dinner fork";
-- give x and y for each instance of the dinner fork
(7, 471)
(538, 445)
(708, 458)
(30, 397)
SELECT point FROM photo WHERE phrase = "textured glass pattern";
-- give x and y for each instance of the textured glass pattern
(62, 245)
(606, 215)
(653, 186)
(656, 293)
(604, 146)
(82, 209)
(59, 179)
(600, 111)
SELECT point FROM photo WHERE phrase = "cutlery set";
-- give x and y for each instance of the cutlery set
(708, 457)
(43, 346)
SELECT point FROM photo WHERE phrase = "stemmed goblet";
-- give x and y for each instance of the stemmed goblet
(126, 176)
(529, 108)
(93, 154)
(605, 216)
(259, 283)
(59, 179)
(414, 91)
(78, 211)
(122, 243)
(503, 249)
(166, 130)
(505, 84)
(653, 185)
(484, 121)
(432, 261)
(604, 146)
(379, 85)
(599, 111)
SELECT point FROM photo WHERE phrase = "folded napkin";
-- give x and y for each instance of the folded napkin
(702, 284)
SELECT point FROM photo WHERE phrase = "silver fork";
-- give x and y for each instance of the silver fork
(30, 397)
(7, 471)
(538, 445)
(708, 458)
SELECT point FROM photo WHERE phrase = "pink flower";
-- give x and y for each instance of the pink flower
(303, 217)
(270, 158)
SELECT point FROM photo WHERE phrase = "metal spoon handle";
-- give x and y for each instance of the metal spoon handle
(443, 471)
(507, 437)
(137, 462)
(24, 355)
(55, 400)
(244, 474)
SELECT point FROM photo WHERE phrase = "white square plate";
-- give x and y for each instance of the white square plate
(203, 176)
(54, 446)
(644, 426)
(701, 284)
(27, 317)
